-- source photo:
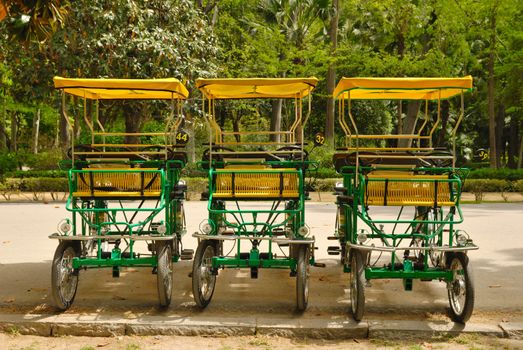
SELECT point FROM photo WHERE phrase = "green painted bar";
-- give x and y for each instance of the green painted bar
(399, 274)
(94, 262)
(218, 262)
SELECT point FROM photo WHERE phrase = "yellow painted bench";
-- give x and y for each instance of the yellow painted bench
(129, 183)
(261, 183)
(390, 188)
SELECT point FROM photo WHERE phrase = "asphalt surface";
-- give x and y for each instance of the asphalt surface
(26, 253)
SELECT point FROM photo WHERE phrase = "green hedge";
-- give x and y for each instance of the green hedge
(487, 185)
(38, 173)
(502, 174)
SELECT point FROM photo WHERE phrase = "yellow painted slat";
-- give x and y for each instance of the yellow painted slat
(264, 183)
(412, 193)
(118, 184)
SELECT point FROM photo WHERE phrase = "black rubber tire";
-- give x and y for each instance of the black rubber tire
(63, 296)
(460, 287)
(293, 157)
(164, 272)
(202, 269)
(302, 277)
(357, 284)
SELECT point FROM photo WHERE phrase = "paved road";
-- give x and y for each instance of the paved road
(25, 254)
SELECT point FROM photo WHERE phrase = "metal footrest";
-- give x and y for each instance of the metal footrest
(187, 254)
(333, 250)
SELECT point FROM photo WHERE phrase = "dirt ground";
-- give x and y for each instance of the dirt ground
(462, 342)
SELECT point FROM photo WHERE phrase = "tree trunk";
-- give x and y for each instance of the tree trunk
(409, 124)
(14, 131)
(192, 142)
(64, 133)
(276, 119)
(214, 19)
(400, 122)
(520, 158)
(500, 126)
(132, 125)
(490, 95)
(237, 117)
(513, 143)
(3, 132)
(445, 109)
(331, 74)
(36, 130)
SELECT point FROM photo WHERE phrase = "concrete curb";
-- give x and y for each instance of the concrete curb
(292, 327)
(513, 330)
(422, 329)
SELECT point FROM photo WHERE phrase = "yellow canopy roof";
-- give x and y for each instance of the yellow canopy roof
(124, 89)
(256, 87)
(401, 88)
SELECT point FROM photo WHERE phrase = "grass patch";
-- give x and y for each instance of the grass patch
(13, 331)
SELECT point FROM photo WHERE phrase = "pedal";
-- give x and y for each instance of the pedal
(316, 264)
(187, 254)
(228, 233)
(278, 232)
(333, 250)
(332, 238)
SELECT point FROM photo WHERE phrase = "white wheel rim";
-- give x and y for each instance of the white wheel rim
(353, 284)
(206, 277)
(66, 277)
(168, 278)
(457, 287)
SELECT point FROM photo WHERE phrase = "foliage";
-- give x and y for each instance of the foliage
(271, 38)
(501, 174)
(19, 174)
(518, 186)
(8, 163)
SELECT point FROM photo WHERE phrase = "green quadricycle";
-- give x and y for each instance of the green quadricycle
(125, 192)
(405, 171)
(256, 196)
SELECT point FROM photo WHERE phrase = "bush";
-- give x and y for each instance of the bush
(44, 160)
(9, 187)
(19, 174)
(44, 184)
(518, 186)
(502, 174)
(321, 185)
(8, 162)
(191, 170)
(197, 184)
(479, 186)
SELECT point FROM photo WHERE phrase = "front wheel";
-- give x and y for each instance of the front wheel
(357, 284)
(203, 277)
(460, 289)
(64, 278)
(302, 277)
(164, 272)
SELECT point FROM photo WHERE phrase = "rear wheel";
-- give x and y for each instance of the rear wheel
(164, 272)
(203, 277)
(460, 289)
(64, 278)
(357, 284)
(302, 277)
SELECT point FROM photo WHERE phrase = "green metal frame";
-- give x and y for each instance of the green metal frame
(438, 231)
(94, 217)
(247, 225)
